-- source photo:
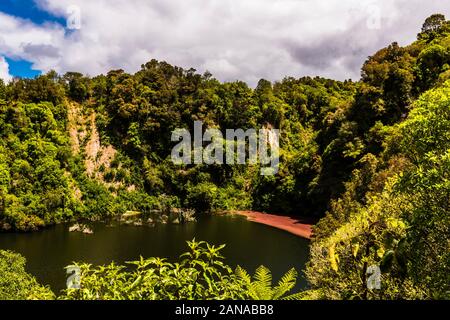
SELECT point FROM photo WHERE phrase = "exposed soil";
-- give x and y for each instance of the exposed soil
(97, 156)
(75, 122)
(299, 226)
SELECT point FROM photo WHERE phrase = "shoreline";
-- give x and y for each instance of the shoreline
(294, 225)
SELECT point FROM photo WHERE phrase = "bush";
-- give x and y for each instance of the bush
(201, 274)
(16, 283)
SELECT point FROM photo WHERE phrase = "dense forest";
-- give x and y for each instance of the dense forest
(370, 160)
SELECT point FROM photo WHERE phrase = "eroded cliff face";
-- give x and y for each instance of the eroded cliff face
(85, 140)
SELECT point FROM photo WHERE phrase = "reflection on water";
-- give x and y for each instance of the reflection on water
(248, 244)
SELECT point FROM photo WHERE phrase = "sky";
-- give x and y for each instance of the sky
(233, 39)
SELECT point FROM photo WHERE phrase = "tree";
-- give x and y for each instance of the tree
(399, 222)
(433, 23)
(432, 27)
(77, 86)
(432, 61)
(2, 89)
(426, 143)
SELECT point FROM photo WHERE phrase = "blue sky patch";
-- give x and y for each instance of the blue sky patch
(28, 9)
(21, 68)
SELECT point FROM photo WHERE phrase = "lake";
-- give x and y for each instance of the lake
(248, 245)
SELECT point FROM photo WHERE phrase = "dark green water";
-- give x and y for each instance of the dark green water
(248, 244)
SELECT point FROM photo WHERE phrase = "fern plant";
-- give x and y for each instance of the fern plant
(200, 274)
(260, 287)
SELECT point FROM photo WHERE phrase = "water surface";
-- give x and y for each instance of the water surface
(248, 244)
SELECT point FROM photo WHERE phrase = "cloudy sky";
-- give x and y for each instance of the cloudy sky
(233, 39)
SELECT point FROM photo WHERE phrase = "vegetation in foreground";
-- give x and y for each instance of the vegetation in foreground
(200, 274)
(371, 158)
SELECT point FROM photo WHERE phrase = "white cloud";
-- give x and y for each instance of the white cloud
(4, 70)
(233, 39)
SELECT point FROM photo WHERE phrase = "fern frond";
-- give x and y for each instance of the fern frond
(286, 284)
(295, 296)
(304, 295)
(243, 275)
(263, 276)
(261, 288)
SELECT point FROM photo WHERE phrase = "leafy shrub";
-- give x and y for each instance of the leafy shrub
(200, 274)
(16, 283)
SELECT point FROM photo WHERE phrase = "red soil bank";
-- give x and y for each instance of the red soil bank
(296, 226)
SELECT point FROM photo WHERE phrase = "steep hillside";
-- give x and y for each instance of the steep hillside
(105, 141)
(371, 158)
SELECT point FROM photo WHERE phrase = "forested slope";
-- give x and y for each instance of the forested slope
(371, 157)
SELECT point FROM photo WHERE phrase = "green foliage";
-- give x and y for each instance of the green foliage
(260, 287)
(77, 86)
(16, 283)
(433, 26)
(399, 221)
(200, 274)
(432, 61)
(32, 167)
(202, 197)
(374, 155)
(426, 143)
